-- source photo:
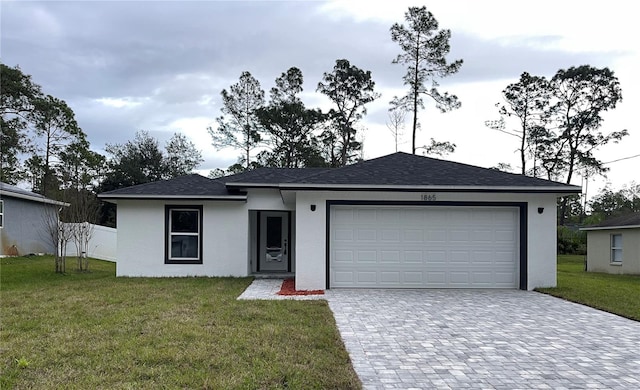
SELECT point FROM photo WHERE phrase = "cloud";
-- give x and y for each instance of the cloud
(124, 66)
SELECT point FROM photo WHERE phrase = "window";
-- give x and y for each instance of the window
(1, 213)
(183, 235)
(616, 248)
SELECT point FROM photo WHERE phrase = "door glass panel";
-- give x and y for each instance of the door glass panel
(274, 232)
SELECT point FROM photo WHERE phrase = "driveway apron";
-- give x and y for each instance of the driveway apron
(496, 339)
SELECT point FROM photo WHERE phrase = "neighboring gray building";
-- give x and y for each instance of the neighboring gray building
(613, 246)
(23, 216)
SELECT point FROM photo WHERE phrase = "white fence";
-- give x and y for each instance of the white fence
(102, 243)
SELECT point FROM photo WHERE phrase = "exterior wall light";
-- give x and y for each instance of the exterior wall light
(313, 207)
(540, 210)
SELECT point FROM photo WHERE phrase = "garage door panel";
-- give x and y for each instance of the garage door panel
(459, 257)
(367, 278)
(341, 216)
(392, 235)
(390, 257)
(343, 256)
(437, 236)
(391, 216)
(365, 216)
(482, 236)
(392, 277)
(504, 257)
(343, 235)
(413, 235)
(483, 278)
(482, 257)
(437, 257)
(367, 234)
(364, 257)
(415, 218)
(459, 278)
(413, 257)
(344, 277)
(505, 235)
(437, 247)
(459, 236)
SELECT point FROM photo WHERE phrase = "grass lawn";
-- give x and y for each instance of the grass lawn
(619, 294)
(93, 330)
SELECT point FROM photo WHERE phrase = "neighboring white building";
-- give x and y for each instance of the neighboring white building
(398, 221)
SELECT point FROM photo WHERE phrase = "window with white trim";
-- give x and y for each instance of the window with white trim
(616, 248)
(1, 213)
(183, 235)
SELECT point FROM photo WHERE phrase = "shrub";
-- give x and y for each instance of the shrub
(571, 241)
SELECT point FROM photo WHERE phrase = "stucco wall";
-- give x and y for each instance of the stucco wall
(311, 231)
(599, 251)
(141, 240)
(24, 227)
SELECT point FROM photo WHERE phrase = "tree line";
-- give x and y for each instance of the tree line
(42, 144)
(288, 134)
(557, 123)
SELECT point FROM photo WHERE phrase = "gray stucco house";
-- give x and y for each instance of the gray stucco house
(22, 221)
(613, 246)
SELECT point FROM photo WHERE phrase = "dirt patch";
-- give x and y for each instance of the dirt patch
(289, 288)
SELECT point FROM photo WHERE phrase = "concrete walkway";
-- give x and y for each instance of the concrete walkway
(480, 339)
(268, 289)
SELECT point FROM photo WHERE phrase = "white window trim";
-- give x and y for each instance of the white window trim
(616, 248)
(170, 234)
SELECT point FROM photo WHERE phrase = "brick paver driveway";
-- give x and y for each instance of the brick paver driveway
(484, 339)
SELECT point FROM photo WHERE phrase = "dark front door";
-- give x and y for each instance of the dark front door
(273, 248)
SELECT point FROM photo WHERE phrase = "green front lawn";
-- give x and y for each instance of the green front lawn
(93, 330)
(618, 294)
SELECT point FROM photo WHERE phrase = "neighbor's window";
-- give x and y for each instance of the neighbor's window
(1, 213)
(616, 248)
(184, 234)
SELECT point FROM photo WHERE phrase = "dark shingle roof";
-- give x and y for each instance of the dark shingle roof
(632, 219)
(407, 169)
(273, 175)
(183, 186)
(399, 170)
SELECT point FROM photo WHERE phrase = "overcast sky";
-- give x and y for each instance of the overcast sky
(159, 66)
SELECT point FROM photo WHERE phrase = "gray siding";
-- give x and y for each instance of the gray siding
(24, 227)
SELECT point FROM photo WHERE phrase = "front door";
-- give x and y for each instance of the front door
(273, 248)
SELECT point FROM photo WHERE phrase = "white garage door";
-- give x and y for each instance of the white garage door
(423, 246)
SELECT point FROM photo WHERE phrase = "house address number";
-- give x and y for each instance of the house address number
(429, 197)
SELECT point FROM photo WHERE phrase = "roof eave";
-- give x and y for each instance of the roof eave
(34, 198)
(172, 197)
(560, 190)
(610, 227)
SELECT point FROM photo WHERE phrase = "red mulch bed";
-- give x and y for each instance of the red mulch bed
(289, 288)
